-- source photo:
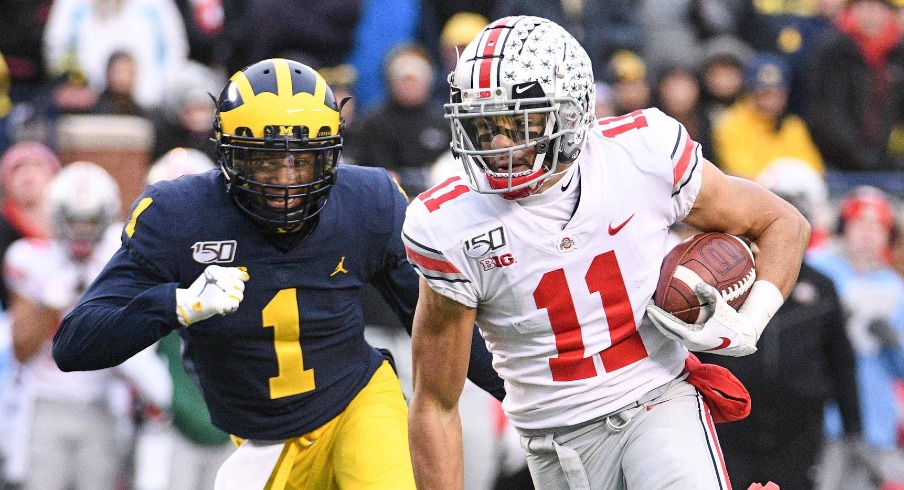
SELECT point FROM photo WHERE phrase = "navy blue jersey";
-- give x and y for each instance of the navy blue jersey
(293, 355)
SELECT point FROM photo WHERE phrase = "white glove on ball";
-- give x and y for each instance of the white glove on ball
(726, 332)
(218, 291)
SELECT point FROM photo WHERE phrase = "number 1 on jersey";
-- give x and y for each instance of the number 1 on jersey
(621, 124)
(553, 294)
(281, 313)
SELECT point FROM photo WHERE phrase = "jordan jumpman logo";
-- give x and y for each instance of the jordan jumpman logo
(340, 267)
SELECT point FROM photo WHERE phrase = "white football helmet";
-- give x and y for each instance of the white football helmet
(522, 99)
(84, 201)
(178, 162)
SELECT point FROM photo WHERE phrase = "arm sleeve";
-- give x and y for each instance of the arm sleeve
(123, 312)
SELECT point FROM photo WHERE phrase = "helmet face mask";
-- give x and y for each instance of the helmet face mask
(282, 187)
(278, 137)
(522, 98)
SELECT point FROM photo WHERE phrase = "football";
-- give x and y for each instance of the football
(721, 260)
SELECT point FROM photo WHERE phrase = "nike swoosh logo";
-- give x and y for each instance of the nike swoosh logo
(616, 229)
(725, 343)
(521, 90)
(565, 187)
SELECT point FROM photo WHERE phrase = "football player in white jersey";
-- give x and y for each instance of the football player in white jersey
(552, 244)
(68, 435)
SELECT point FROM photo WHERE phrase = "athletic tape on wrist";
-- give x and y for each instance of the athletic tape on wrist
(764, 300)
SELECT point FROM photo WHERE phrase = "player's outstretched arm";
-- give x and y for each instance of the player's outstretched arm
(741, 207)
(126, 309)
(441, 341)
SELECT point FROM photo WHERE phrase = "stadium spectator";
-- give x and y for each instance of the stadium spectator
(758, 129)
(322, 31)
(184, 119)
(857, 114)
(21, 33)
(873, 298)
(674, 30)
(791, 29)
(407, 133)
(84, 33)
(722, 74)
(217, 31)
(384, 25)
(677, 93)
(435, 15)
(118, 95)
(630, 81)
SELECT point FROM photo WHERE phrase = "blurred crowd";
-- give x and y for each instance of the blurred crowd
(804, 96)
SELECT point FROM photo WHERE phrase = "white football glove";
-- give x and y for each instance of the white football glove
(726, 332)
(218, 291)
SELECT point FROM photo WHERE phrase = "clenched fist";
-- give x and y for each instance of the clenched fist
(218, 291)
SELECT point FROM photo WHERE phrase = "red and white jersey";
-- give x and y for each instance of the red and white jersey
(562, 309)
(36, 268)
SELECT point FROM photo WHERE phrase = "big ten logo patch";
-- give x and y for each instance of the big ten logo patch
(497, 261)
(721, 257)
(214, 252)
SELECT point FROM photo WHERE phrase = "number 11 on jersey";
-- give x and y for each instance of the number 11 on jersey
(553, 294)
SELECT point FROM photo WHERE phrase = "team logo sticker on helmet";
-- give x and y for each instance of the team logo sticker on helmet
(214, 252)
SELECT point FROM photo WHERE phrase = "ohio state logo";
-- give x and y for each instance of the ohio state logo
(566, 243)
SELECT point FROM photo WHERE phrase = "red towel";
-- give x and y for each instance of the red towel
(725, 395)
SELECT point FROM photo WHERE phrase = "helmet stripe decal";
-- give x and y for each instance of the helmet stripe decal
(303, 81)
(283, 79)
(491, 50)
(243, 85)
(267, 83)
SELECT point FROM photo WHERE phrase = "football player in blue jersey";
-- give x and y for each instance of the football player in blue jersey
(260, 265)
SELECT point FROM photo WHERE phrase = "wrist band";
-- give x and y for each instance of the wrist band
(762, 303)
